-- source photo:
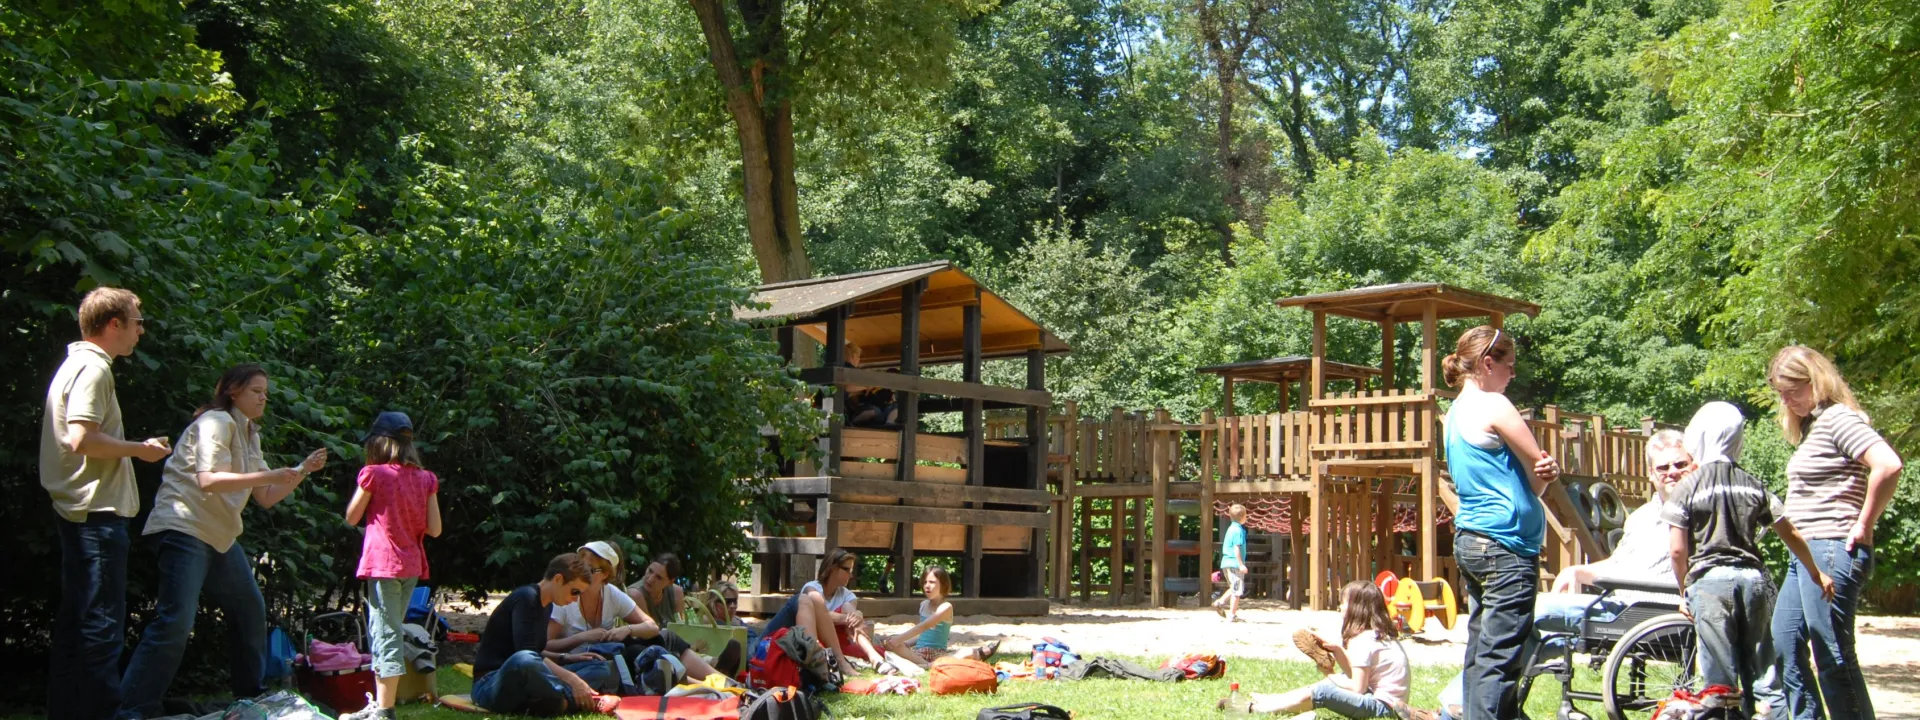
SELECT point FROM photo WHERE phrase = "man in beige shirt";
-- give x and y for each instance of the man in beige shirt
(86, 467)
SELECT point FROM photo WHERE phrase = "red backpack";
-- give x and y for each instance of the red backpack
(771, 667)
(1198, 665)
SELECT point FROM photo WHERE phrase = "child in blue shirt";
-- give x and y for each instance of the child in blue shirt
(1233, 564)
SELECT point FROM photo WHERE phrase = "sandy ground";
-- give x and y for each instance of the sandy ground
(1889, 647)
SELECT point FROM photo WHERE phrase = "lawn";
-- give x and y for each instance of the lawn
(1091, 699)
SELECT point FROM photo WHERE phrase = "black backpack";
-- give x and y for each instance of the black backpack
(783, 703)
(1029, 711)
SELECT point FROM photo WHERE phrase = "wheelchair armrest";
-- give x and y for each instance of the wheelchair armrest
(1613, 584)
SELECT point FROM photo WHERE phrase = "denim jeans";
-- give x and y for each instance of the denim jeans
(189, 569)
(1348, 703)
(1807, 627)
(1732, 616)
(90, 620)
(525, 685)
(386, 611)
(1501, 585)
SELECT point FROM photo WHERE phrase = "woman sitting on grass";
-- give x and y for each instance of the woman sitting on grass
(1373, 667)
(606, 620)
(829, 611)
(929, 638)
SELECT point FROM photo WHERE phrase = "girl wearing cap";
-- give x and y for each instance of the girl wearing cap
(401, 503)
(606, 619)
(216, 467)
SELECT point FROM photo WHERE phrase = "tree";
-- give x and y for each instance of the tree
(789, 53)
(1227, 31)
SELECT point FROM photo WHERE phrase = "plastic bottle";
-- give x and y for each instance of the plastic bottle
(1236, 702)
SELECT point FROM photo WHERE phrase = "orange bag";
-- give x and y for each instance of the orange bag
(956, 676)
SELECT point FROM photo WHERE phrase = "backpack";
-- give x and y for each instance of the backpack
(1049, 656)
(1029, 711)
(954, 676)
(1716, 702)
(1198, 666)
(280, 654)
(783, 703)
(769, 666)
(653, 670)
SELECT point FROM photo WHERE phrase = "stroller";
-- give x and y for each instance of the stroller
(337, 672)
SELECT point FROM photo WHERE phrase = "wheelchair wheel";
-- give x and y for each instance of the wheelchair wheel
(1652, 660)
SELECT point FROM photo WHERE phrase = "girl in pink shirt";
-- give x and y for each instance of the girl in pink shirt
(401, 503)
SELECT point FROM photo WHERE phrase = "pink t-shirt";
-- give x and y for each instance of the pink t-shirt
(396, 521)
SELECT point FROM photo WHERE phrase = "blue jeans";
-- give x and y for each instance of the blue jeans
(1732, 610)
(189, 569)
(1349, 703)
(524, 684)
(386, 611)
(90, 621)
(1501, 585)
(1806, 626)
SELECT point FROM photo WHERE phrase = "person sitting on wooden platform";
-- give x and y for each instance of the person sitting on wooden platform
(827, 608)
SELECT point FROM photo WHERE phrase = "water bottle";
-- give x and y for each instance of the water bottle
(1236, 703)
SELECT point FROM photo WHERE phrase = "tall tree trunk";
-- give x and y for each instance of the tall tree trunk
(762, 111)
(1227, 47)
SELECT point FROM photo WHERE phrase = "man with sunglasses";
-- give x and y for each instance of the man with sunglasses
(513, 672)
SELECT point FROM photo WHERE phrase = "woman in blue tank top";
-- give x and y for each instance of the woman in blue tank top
(1498, 473)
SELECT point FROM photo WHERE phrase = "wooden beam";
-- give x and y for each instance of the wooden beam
(1429, 347)
(1037, 466)
(790, 545)
(937, 515)
(935, 492)
(1160, 458)
(941, 299)
(1015, 340)
(1386, 355)
(841, 376)
(879, 607)
(836, 359)
(974, 422)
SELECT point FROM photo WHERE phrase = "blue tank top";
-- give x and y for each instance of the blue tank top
(1495, 498)
(934, 637)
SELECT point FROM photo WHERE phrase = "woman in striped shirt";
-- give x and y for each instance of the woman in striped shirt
(1839, 480)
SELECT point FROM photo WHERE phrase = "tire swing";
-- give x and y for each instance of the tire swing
(1609, 511)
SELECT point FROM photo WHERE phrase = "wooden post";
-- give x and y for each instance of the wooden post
(1063, 564)
(1037, 467)
(1286, 403)
(1086, 549)
(1227, 404)
(905, 464)
(1429, 469)
(1498, 319)
(1116, 549)
(1160, 516)
(972, 417)
(1317, 388)
(836, 356)
(1386, 354)
(1212, 440)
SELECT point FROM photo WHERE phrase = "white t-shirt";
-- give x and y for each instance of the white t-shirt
(837, 601)
(1389, 662)
(615, 606)
(1642, 554)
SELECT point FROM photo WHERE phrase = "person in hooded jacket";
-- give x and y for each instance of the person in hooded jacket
(1717, 515)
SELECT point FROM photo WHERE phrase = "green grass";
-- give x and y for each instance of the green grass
(1092, 699)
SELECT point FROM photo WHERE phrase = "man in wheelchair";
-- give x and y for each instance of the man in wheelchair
(1639, 574)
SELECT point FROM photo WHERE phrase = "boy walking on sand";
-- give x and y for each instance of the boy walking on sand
(1233, 564)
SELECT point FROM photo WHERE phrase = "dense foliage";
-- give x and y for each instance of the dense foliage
(523, 221)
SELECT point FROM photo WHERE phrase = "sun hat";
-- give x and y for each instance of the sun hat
(604, 549)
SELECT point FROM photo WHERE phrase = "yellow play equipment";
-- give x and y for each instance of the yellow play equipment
(1410, 602)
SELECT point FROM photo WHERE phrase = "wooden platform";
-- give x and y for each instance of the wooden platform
(767, 605)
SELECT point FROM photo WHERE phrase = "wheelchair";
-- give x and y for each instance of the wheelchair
(1641, 656)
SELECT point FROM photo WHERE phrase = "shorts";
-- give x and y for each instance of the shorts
(1236, 581)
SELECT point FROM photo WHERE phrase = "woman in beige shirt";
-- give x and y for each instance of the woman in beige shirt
(216, 467)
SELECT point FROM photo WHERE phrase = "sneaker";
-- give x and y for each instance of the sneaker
(372, 711)
(1308, 643)
(1219, 609)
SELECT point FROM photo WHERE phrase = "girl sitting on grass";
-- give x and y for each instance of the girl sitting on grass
(1372, 681)
(929, 638)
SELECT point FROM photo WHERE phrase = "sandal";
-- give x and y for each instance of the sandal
(886, 667)
(1309, 644)
(990, 649)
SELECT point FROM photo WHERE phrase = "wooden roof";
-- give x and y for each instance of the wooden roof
(873, 325)
(1289, 369)
(1406, 302)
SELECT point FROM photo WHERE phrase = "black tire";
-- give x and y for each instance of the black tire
(1608, 510)
(1581, 502)
(1652, 660)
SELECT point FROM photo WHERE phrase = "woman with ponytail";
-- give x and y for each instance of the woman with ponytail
(1498, 472)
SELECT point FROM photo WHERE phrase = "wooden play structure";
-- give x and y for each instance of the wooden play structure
(1344, 482)
(892, 488)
